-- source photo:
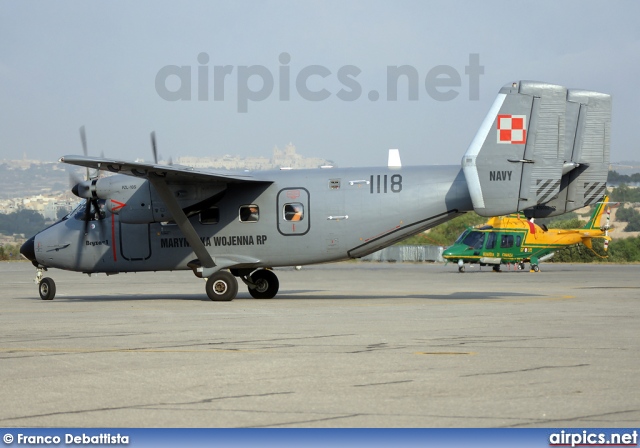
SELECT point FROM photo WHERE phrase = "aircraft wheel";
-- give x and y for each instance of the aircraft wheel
(521, 266)
(47, 289)
(535, 268)
(496, 268)
(461, 269)
(222, 287)
(267, 284)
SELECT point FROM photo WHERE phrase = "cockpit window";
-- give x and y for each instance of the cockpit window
(461, 237)
(474, 239)
(95, 214)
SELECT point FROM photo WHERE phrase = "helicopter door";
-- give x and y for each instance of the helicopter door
(293, 211)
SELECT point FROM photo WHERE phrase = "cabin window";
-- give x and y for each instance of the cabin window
(210, 216)
(474, 239)
(293, 211)
(506, 241)
(249, 213)
(491, 241)
(518, 240)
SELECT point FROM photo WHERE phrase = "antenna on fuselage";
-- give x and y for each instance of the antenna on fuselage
(394, 159)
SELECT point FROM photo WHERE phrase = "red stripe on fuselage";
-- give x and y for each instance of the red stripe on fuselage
(113, 236)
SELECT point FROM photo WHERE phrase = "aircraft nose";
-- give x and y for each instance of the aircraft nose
(28, 249)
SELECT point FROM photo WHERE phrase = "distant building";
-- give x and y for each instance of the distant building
(287, 157)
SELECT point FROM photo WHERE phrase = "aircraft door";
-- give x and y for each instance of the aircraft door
(134, 242)
(293, 211)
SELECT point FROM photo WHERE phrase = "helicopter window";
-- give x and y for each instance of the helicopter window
(293, 211)
(474, 239)
(95, 214)
(210, 216)
(491, 241)
(249, 213)
(518, 240)
(506, 241)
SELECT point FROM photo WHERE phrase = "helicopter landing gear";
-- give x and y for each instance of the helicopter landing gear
(46, 285)
(534, 264)
(496, 268)
(521, 266)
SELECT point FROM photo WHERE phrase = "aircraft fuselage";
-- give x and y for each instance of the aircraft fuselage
(345, 213)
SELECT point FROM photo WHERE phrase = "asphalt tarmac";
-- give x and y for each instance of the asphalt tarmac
(345, 345)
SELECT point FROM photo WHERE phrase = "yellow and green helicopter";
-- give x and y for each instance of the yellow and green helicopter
(513, 239)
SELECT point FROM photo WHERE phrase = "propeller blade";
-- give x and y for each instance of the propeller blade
(74, 179)
(154, 147)
(83, 139)
(87, 216)
(85, 151)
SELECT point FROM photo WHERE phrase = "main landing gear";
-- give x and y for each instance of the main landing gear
(222, 286)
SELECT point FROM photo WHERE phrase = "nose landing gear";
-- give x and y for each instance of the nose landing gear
(46, 285)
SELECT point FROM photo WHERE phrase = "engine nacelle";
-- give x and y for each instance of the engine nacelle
(135, 201)
(127, 197)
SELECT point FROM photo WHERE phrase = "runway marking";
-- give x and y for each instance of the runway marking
(446, 353)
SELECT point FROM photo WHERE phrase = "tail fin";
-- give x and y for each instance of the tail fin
(596, 216)
(542, 149)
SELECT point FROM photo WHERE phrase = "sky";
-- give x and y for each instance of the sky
(214, 78)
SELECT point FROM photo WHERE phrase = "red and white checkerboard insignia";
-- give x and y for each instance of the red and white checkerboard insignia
(512, 129)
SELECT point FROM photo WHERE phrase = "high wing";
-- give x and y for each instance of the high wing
(160, 176)
(149, 170)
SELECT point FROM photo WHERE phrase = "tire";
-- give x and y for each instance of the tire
(222, 287)
(521, 266)
(496, 268)
(267, 284)
(535, 268)
(47, 289)
(461, 269)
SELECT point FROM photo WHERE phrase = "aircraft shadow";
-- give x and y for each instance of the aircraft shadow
(299, 295)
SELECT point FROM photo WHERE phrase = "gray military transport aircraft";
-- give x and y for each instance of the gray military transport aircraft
(542, 149)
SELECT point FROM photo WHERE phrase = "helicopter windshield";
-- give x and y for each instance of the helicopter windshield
(474, 239)
(461, 237)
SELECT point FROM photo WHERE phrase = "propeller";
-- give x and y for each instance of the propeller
(154, 147)
(85, 185)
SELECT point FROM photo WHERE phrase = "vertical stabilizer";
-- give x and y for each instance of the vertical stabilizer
(541, 149)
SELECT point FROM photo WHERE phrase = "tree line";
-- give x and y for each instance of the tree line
(620, 249)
